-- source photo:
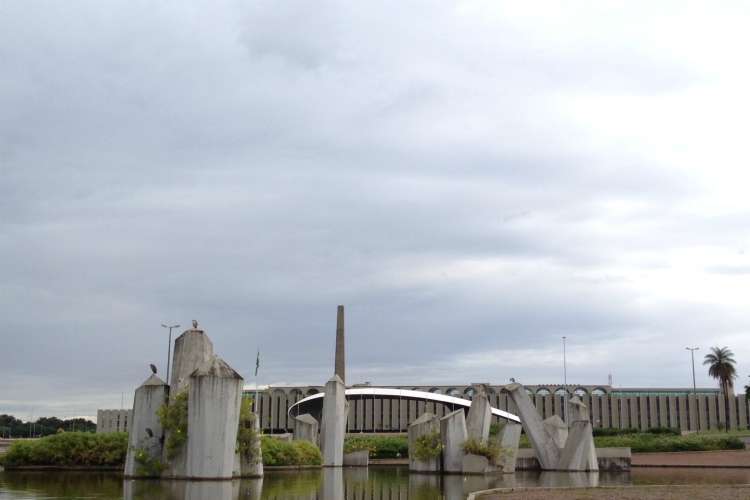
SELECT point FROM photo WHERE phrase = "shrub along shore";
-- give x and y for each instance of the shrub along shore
(88, 450)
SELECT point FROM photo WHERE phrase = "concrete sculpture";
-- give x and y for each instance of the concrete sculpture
(191, 350)
(556, 447)
(426, 425)
(306, 428)
(480, 415)
(333, 423)
(453, 434)
(510, 435)
(340, 361)
(145, 428)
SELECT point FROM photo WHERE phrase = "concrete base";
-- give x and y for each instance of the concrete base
(478, 464)
(426, 424)
(148, 399)
(306, 428)
(510, 435)
(333, 427)
(609, 459)
(453, 434)
(579, 453)
(357, 458)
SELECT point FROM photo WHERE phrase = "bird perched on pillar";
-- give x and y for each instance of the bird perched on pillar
(153, 368)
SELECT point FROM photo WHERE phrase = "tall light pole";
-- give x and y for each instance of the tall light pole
(565, 379)
(692, 360)
(169, 347)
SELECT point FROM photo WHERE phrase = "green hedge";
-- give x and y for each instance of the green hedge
(648, 442)
(70, 449)
(278, 452)
(379, 446)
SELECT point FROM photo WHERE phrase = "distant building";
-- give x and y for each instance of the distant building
(113, 420)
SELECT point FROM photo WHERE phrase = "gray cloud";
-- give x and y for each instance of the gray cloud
(434, 168)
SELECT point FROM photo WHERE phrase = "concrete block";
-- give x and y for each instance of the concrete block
(357, 458)
(557, 430)
(547, 451)
(453, 434)
(213, 417)
(424, 425)
(477, 464)
(579, 453)
(479, 417)
(191, 350)
(333, 427)
(510, 435)
(145, 429)
(578, 410)
(306, 428)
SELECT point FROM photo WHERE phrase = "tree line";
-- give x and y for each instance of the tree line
(12, 427)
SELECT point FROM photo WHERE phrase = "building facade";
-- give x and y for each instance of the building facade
(639, 408)
(113, 420)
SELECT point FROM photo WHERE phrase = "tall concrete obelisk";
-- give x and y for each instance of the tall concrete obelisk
(340, 368)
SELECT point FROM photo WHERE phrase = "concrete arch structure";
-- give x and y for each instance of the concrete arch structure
(310, 404)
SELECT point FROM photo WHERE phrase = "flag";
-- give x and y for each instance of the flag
(257, 364)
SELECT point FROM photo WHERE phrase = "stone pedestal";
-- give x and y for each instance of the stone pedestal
(333, 423)
(213, 416)
(453, 434)
(426, 424)
(148, 398)
(479, 417)
(509, 438)
(191, 349)
(306, 428)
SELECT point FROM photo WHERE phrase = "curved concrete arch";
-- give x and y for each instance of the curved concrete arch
(407, 394)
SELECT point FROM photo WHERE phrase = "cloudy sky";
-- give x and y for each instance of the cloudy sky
(473, 180)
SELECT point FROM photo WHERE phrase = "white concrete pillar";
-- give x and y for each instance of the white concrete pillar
(333, 423)
(145, 427)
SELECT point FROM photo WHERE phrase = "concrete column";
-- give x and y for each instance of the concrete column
(480, 416)
(333, 423)
(453, 434)
(213, 417)
(340, 366)
(424, 425)
(306, 428)
(251, 465)
(191, 349)
(509, 438)
(145, 428)
(547, 452)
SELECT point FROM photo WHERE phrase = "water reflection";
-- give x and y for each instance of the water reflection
(375, 483)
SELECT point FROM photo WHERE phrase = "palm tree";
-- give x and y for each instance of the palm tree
(721, 363)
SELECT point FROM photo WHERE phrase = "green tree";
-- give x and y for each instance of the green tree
(721, 363)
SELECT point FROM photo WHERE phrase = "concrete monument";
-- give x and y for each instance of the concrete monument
(306, 428)
(213, 417)
(510, 435)
(145, 429)
(557, 447)
(333, 423)
(480, 415)
(340, 362)
(426, 425)
(453, 434)
(191, 349)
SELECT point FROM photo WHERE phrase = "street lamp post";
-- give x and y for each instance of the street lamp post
(169, 347)
(692, 360)
(565, 379)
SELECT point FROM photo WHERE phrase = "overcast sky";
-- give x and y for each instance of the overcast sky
(472, 180)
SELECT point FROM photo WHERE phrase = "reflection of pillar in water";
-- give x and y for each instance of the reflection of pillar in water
(333, 483)
(453, 487)
(424, 486)
(251, 489)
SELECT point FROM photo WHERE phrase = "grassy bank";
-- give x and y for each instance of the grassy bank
(69, 449)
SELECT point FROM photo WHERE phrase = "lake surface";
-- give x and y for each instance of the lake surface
(375, 483)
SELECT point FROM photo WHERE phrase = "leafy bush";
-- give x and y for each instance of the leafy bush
(147, 466)
(379, 446)
(614, 431)
(491, 450)
(428, 446)
(278, 452)
(70, 449)
(247, 435)
(664, 430)
(174, 421)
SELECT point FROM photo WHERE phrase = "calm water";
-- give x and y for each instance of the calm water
(375, 483)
